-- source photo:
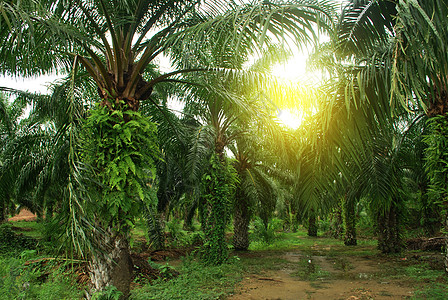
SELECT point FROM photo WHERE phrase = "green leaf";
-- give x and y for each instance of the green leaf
(130, 164)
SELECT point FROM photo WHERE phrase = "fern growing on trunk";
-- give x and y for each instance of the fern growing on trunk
(120, 147)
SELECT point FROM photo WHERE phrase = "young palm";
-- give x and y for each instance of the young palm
(256, 191)
(9, 129)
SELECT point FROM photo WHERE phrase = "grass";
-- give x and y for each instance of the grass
(261, 261)
(28, 228)
(433, 283)
(422, 272)
(342, 264)
(434, 291)
(315, 245)
(139, 231)
(309, 270)
(197, 281)
(20, 279)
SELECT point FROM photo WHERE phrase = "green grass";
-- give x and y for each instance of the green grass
(310, 270)
(315, 245)
(258, 261)
(283, 241)
(422, 272)
(196, 281)
(32, 229)
(433, 291)
(139, 231)
(20, 279)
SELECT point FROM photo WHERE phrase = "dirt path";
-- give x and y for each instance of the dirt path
(323, 277)
(24, 215)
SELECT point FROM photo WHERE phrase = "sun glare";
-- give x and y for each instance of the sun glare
(289, 119)
(292, 70)
(295, 94)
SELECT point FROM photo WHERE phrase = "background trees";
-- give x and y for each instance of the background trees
(384, 34)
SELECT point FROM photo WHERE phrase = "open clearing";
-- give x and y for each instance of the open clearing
(333, 272)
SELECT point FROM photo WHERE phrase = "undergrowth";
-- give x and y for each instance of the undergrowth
(197, 281)
(12, 244)
(27, 277)
(434, 291)
(435, 283)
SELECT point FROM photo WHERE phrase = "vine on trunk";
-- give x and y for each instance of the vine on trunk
(121, 147)
(436, 155)
(218, 186)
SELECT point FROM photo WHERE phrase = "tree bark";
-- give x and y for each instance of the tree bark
(241, 223)
(389, 231)
(337, 222)
(350, 223)
(2, 211)
(113, 265)
(312, 226)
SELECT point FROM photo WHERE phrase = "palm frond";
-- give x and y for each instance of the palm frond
(363, 24)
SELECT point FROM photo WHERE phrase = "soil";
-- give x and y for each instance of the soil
(24, 215)
(334, 278)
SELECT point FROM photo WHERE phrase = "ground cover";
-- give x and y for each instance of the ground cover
(322, 269)
(293, 266)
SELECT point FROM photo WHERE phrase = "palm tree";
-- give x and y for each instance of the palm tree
(389, 162)
(21, 138)
(226, 119)
(256, 191)
(303, 172)
(414, 67)
(9, 114)
(220, 120)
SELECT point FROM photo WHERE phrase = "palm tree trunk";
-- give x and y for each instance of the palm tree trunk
(446, 243)
(216, 213)
(389, 231)
(113, 265)
(337, 222)
(2, 211)
(350, 223)
(312, 226)
(292, 218)
(241, 222)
